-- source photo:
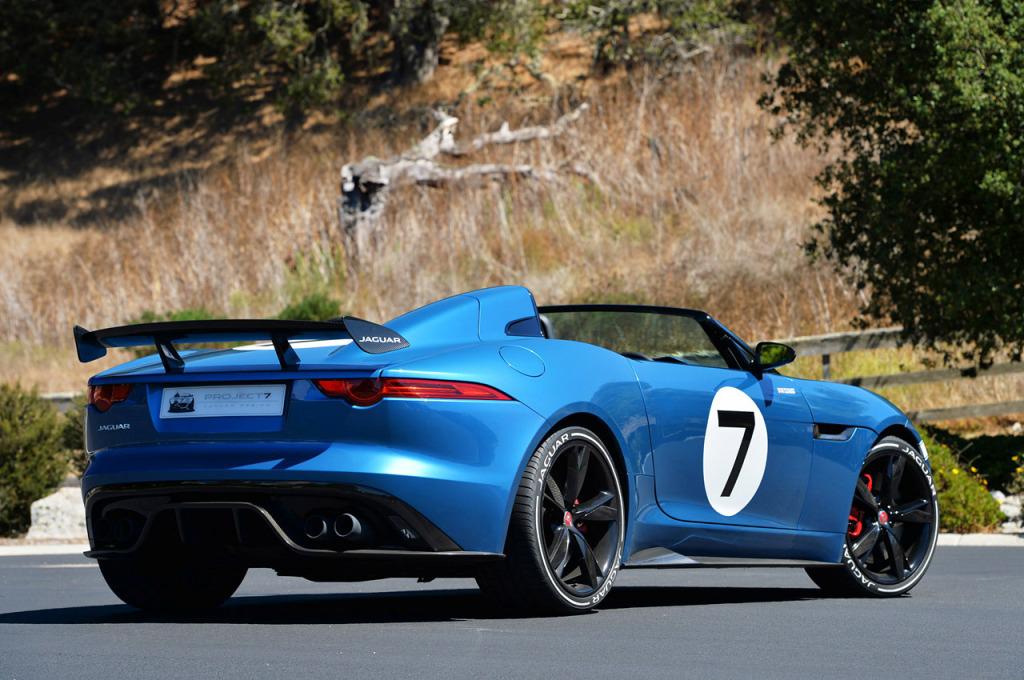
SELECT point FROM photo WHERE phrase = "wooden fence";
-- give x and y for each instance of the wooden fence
(837, 343)
(886, 338)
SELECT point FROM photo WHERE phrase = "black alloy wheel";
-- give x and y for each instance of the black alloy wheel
(579, 518)
(893, 524)
(567, 529)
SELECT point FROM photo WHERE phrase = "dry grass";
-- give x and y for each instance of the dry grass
(698, 208)
(982, 390)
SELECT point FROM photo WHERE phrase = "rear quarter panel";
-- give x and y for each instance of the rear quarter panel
(571, 378)
(557, 379)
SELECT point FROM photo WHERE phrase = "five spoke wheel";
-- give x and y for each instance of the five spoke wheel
(567, 529)
(580, 512)
(891, 519)
(893, 525)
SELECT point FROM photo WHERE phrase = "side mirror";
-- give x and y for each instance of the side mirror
(772, 355)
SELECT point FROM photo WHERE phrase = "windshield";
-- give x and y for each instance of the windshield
(672, 336)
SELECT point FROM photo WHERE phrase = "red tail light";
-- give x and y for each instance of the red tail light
(105, 396)
(367, 391)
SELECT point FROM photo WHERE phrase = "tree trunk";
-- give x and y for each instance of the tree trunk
(417, 27)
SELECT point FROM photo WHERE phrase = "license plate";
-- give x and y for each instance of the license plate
(218, 401)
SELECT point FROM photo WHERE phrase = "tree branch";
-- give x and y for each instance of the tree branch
(505, 135)
(366, 184)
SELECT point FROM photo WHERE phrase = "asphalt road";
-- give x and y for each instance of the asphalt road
(965, 620)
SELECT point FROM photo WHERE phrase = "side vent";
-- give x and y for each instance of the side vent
(833, 433)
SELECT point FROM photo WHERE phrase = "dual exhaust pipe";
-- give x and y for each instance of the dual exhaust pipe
(345, 525)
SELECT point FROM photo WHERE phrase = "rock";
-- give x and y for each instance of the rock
(999, 496)
(59, 516)
(1011, 511)
(1012, 528)
(1016, 428)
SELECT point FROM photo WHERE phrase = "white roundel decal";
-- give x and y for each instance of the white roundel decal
(735, 451)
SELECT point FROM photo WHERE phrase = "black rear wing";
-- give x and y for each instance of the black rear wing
(369, 337)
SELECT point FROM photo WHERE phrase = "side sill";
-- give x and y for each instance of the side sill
(663, 558)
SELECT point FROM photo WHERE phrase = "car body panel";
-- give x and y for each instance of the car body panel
(678, 401)
(836, 403)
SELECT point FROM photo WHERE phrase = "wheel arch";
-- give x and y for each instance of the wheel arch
(599, 427)
(903, 431)
(606, 433)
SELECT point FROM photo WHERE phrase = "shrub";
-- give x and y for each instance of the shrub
(73, 436)
(965, 505)
(32, 458)
(1016, 484)
(187, 314)
(313, 307)
(995, 457)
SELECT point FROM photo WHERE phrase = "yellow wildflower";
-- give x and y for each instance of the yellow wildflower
(956, 471)
(1020, 470)
(1015, 458)
(974, 469)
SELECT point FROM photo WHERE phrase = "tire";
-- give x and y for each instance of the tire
(171, 584)
(546, 566)
(893, 528)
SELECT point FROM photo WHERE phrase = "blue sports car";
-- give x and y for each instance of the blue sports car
(537, 450)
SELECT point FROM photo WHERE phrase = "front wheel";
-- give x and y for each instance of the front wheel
(893, 525)
(567, 529)
(171, 583)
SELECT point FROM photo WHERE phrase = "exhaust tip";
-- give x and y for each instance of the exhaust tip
(347, 526)
(316, 526)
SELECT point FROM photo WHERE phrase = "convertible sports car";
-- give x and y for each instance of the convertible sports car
(537, 450)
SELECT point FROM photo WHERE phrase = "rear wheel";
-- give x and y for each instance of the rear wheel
(567, 528)
(893, 525)
(171, 584)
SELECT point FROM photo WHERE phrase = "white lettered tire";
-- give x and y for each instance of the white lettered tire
(566, 533)
(893, 528)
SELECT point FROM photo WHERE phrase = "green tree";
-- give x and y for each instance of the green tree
(304, 48)
(104, 53)
(682, 28)
(925, 197)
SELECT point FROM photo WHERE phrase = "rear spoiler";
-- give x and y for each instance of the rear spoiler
(369, 337)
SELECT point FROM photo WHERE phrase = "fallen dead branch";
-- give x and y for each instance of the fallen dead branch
(367, 184)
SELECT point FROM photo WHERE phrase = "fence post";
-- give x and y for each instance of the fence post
(825, 366)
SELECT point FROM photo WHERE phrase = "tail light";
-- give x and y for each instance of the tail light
(368, 391)
(105, 396)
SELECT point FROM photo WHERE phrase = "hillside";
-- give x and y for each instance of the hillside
(695, 206)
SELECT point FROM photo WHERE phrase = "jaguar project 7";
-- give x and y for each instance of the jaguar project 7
(537, 450)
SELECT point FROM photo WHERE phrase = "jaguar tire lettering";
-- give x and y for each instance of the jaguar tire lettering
(857, 573)
(546, 463)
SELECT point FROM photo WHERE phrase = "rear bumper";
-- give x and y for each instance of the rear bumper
(265, 525)
(455, 464)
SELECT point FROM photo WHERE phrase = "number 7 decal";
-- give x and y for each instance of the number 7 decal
(741, 419)
(735, 451)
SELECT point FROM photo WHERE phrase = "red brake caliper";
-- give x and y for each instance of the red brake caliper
(856, 525)
(579, 525)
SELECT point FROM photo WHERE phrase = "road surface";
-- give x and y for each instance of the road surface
(965, 620)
